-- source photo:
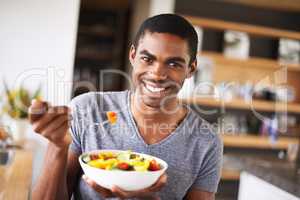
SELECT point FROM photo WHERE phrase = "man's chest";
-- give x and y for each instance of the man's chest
(154, 133)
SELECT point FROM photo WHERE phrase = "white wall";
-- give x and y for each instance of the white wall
(34, 35)
(159, 7)
(37, 34)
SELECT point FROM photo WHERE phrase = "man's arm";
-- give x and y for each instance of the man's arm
(196, 194)
(60, 163)
(207, 181)
(73, 172)
(59, 175)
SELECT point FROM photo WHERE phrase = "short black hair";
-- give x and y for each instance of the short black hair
(172, 24)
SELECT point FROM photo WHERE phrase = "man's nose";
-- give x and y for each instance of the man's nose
(158, 71)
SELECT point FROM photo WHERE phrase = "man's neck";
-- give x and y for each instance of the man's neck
(156, 124)
(157, 114)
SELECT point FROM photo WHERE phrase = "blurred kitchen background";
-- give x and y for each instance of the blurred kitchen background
(247, 84)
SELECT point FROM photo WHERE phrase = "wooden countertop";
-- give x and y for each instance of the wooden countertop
(16, 176)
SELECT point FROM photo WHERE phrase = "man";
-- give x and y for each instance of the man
(150, 120)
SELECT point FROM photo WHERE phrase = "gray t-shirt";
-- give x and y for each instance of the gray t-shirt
(193, 152)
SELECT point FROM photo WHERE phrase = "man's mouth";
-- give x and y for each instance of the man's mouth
(154, 89)
(157, 89)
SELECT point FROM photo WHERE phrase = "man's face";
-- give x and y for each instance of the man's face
(160, 66)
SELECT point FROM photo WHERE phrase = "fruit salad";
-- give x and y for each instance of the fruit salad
(124, 161)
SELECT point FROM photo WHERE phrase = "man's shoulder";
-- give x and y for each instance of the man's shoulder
(202, 131)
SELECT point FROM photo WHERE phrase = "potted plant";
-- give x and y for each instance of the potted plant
(15, 107)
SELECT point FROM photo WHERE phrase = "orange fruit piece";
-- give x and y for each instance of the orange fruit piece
(112, 117)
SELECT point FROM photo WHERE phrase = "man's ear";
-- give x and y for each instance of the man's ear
(132, 54)
(192, 69)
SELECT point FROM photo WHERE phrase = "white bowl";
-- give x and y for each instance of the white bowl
(126, 180)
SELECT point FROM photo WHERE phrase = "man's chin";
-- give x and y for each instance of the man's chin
(151, 102)
(157, 103)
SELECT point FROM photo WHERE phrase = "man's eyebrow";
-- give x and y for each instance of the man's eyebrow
(145, 52)
(176, 59)
(170, 59)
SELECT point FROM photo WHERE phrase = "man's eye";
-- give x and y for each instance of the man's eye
(146, 59)
(174, 64)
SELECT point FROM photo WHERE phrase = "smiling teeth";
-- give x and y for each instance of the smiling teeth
(154, 89)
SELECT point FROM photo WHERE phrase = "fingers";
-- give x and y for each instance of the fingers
(43, 122)
(104, 192)
(120, 193)
(61, 120)
(37, 109)
(57, 135)
(51, 122)
(161, 182)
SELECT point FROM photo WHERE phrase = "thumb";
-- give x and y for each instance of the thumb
(37, 109)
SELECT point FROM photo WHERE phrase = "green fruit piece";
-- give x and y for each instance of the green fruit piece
(124, 157)
(141, 166)
(86, 159)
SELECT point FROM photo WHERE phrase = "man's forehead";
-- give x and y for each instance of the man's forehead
(163, 43)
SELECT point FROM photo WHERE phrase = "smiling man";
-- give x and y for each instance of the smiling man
(150, 120)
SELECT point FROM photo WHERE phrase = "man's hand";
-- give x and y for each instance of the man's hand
(51, 122)
(147, 194)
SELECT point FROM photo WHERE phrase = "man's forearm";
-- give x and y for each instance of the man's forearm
(52, 181)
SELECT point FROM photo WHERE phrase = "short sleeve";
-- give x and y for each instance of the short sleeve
(75, 128)
(210, 171)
